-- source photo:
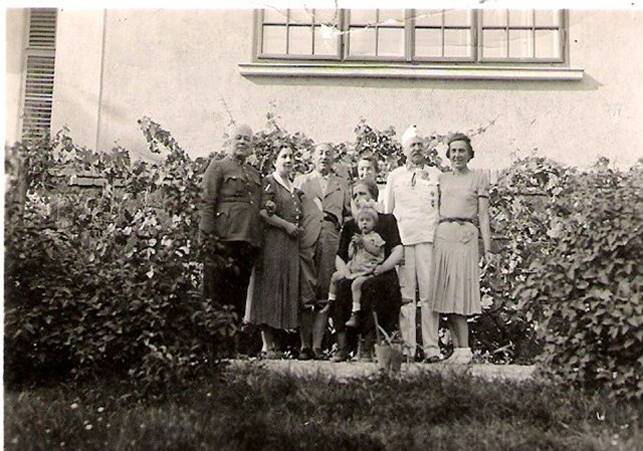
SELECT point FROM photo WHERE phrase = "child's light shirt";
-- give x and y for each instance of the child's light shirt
(363, 262)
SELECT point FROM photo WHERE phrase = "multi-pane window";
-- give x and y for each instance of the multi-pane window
(39, 73)
(299, 33)
(444, 35)
(376, 33)
(439, 35)
(520, 35)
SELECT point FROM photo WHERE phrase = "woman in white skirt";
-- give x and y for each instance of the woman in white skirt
(455, 275)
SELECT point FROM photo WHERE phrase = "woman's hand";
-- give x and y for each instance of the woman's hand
(343, 272)
(270, 207)
(291, 229)
(378, 270)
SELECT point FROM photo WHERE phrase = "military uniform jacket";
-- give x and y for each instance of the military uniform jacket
(231, 200)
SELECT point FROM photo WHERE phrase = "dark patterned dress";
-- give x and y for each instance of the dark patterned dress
(381, 293)
(273, 295)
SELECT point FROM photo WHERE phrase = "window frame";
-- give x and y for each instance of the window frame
(259, 15)
(346, 57)
(562, 14)
(447, 59)
(343, 45)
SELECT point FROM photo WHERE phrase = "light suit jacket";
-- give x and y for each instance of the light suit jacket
(336, 203)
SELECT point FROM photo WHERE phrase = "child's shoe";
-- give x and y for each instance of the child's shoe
(353, 321)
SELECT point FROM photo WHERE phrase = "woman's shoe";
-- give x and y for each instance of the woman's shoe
(460, 356)
(465, 356)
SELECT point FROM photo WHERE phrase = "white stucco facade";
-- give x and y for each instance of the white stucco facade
(16, 25)
(114, 66)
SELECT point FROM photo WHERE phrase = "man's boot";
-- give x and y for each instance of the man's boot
(342, 348)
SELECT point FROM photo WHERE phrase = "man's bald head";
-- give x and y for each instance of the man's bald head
(324, 157)
(243, 129)
(241, 141)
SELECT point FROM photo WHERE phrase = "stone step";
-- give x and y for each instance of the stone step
(345, 371)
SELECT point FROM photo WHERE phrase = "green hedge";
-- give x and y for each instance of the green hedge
(107, 279)
(585, 291)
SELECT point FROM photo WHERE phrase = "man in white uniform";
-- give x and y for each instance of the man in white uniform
(411, 194)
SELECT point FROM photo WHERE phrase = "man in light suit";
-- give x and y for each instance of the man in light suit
(412, 194)
(326, 204)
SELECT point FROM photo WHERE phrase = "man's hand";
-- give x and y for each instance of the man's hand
(378, 270)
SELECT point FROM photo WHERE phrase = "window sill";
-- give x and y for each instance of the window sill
(435, 72)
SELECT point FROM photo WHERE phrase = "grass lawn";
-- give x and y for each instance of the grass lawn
(255, 409)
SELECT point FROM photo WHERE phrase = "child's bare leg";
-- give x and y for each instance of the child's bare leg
(356, 290)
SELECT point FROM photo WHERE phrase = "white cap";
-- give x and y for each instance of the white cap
(410, 134)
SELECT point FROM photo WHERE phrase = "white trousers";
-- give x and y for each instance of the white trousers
(414, 275)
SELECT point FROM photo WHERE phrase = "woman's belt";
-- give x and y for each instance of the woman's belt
(460, 220)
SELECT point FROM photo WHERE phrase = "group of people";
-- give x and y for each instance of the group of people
(312, 248)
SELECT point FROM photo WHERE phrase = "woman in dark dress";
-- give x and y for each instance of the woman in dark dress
(380, 294)
(273, 295)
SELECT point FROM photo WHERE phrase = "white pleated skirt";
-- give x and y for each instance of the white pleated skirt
(455, 275)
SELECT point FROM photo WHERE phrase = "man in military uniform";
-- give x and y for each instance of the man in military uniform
(326, 204)
(231, 200)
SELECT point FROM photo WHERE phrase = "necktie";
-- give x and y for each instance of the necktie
(323, 182)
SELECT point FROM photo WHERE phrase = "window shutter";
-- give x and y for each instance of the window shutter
(39, 73)
(42, 28)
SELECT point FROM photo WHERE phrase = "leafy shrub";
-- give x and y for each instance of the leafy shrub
(586, 290)
(564, 285)
(108, 280)
(521, 202)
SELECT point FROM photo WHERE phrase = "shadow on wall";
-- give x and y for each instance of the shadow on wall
(588, 83)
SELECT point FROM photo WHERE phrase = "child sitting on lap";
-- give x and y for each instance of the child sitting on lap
(366, 251)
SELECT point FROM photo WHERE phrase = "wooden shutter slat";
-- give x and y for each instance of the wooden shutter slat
(39, 73)
(42, 28)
